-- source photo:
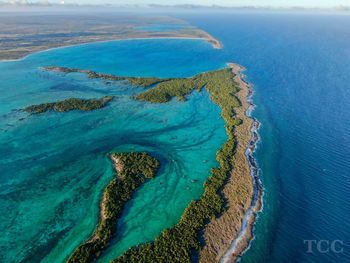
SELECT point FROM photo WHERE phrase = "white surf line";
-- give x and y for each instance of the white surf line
(234, 252)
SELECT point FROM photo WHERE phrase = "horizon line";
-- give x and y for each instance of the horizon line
(176, 6)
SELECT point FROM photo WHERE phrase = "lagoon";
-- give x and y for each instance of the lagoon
(55, 165)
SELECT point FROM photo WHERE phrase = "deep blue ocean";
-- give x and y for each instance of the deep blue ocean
(299, 65)
(53, 167)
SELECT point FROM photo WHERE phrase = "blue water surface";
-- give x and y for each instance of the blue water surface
(299, 64)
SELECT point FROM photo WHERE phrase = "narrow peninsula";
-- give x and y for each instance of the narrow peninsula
(132, 170)
(210, 225)
(184, 241)
(69, 105)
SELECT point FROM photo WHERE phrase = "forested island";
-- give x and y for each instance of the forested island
(227, 192)
(132, 170)
(69, 105)
(136, 81)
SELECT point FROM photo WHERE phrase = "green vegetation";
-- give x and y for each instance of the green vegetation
(218, 83)
(70, 104)
(178, 243)
(136, 81)
(133, 169)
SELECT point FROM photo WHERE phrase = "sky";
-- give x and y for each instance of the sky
(275, 3)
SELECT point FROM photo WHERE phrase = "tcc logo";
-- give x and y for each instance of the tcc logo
(324, 246)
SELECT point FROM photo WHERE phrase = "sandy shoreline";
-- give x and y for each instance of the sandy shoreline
(228, 236)
(118, 168)
(210, 39)
(241, 243)
(103, 216)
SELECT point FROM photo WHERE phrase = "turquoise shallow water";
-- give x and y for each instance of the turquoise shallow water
(54, 165)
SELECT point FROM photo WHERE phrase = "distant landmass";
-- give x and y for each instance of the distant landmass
(51, 31)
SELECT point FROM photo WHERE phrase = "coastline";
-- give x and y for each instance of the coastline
(242, 242)
(228, 237)
(233, 173)
(216, 44)
(103, 202)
